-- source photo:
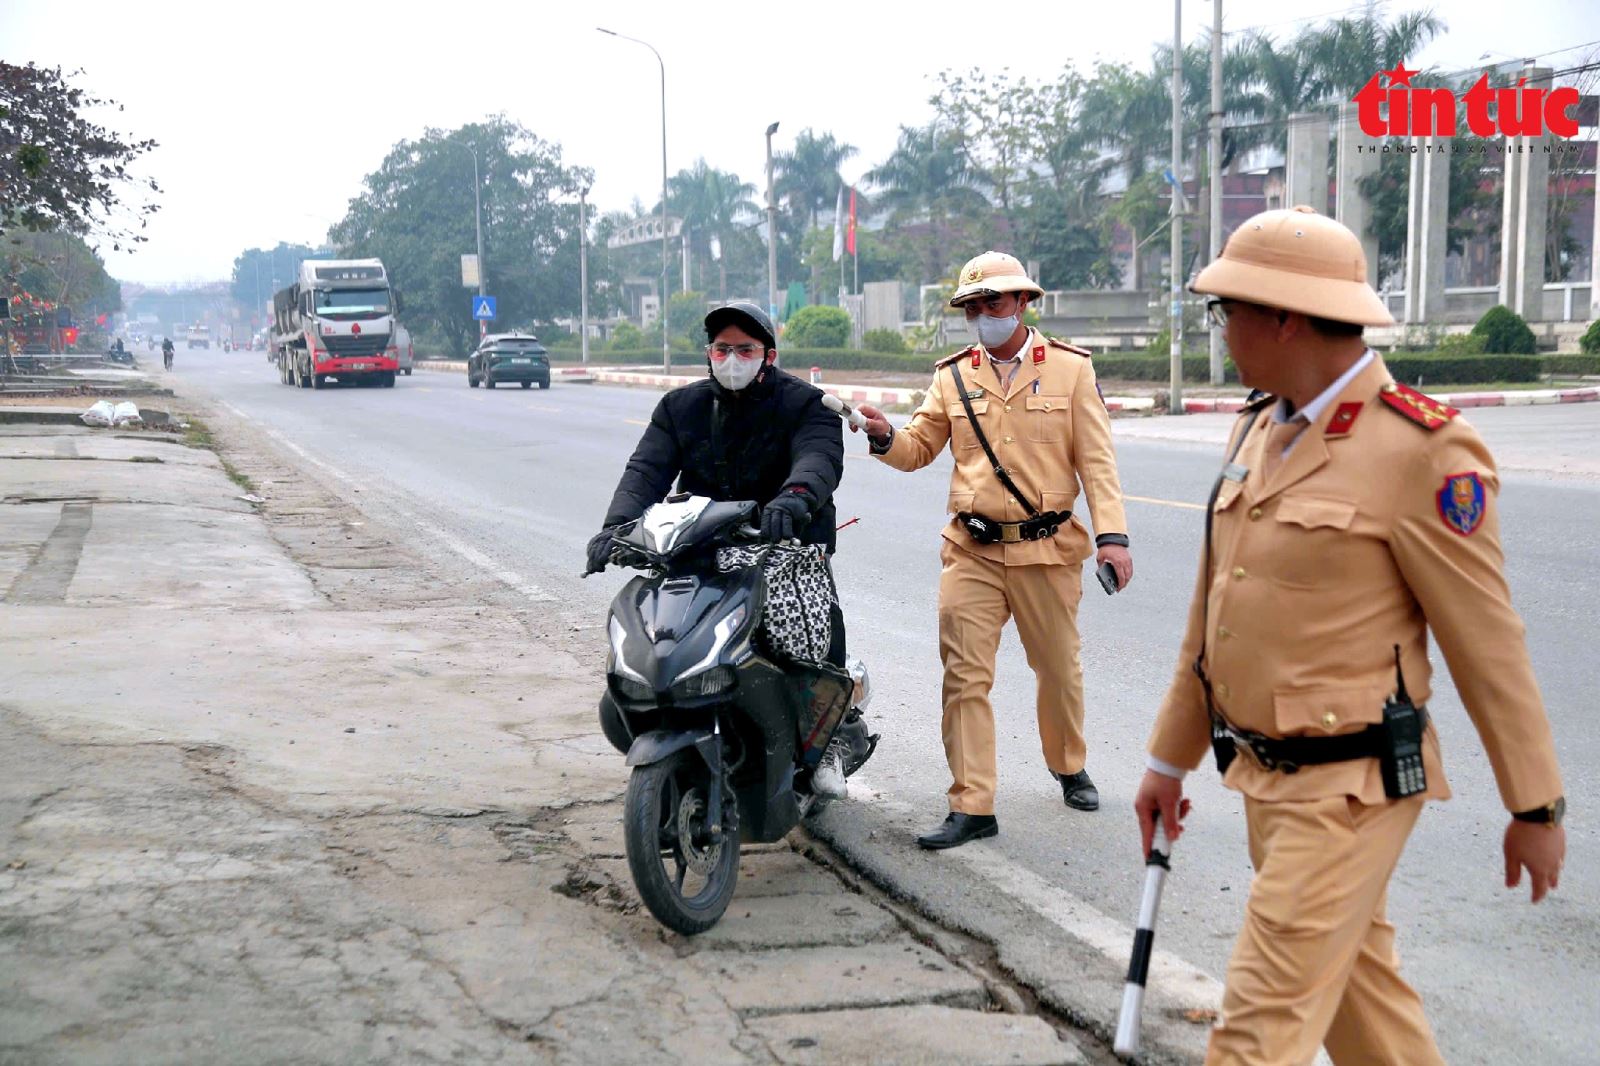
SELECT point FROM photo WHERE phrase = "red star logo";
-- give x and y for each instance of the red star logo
(1400, 75)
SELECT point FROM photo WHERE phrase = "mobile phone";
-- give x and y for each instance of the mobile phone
(1108, 578)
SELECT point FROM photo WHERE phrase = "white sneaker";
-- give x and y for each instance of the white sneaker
(828, 780)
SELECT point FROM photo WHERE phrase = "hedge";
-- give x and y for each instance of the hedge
(1429, 368)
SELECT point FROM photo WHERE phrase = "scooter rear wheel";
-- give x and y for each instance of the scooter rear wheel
(684, 877)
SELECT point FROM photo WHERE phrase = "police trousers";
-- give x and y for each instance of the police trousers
(1315, 963)
(976, 597)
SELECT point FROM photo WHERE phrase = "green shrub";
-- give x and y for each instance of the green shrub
(883, 340)
(817, 327)
(1460, 344)
(1589, 343)
(1504, 332)
(626, 337)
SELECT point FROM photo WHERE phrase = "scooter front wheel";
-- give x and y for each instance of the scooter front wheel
(684, 874)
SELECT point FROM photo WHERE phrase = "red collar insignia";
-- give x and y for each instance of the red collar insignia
(1038, 354)
(977, 358)
(1343, 420)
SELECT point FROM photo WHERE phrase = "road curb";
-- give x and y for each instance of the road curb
(1515, 398)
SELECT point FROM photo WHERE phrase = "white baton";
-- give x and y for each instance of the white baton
(1155, 875)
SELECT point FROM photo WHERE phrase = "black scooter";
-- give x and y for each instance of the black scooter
(722, 734)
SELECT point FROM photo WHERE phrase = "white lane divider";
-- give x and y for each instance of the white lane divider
(472, 555)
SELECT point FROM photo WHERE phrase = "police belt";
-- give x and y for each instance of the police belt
(1041, 526)
(1289, 754)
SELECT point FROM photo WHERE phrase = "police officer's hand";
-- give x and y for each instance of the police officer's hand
(1541, 848)
(1163, 795)
(785, 516)
(1120, 561)
(877, 426)
(599, 550)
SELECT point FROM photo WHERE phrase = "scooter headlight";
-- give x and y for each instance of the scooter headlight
(632, 690)
(707, 683)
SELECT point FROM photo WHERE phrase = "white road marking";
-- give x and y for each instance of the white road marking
(1167, 503)
(461, 548)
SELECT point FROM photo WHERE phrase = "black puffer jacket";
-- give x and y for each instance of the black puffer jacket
(745, 445)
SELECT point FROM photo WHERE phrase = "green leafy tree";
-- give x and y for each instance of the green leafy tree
(259, 272)
(59, 171)
(416, 214)
(807, 177)
(62, 269)
(817, 327)
(931, 193)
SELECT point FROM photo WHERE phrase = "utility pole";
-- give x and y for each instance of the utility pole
(772, 233)
(666, 349)
(583, 276)
(1215, 178)
(1175, 271)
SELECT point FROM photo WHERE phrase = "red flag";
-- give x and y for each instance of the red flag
(850, 234)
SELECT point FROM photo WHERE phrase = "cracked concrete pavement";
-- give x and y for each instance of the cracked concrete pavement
(274, 789)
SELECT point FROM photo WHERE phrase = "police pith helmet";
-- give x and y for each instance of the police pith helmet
(1296, 260)
(990, 274)
(747, 316)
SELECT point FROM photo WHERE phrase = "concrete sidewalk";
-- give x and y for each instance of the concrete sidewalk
(274, 789)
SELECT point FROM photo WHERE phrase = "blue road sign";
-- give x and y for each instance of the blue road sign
(483, 307)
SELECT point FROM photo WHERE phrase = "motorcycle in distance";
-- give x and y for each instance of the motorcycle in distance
(721, 732)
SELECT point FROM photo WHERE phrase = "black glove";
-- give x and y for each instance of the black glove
(786, 516)
(599, 550)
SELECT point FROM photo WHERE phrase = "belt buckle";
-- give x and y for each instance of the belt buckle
(1257, 748)
(1010, 533)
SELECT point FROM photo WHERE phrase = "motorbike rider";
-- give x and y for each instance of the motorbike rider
(166, 352)
(749, 431)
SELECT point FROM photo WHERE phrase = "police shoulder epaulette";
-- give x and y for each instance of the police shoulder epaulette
(1424, 410)
(953, 356)
(1064, 346)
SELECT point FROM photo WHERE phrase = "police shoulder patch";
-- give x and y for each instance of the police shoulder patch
(1462, 502)
(1425, 411)
(953, 356)
(1064, 346)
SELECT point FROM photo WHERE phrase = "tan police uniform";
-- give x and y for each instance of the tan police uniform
(1379, 523)
(1050, 429)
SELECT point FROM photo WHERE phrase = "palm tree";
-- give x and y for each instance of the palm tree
(929, 178)
(807, 176)
(1348, 52)
(713, 204)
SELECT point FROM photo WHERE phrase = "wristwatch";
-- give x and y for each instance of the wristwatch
(1549, 814)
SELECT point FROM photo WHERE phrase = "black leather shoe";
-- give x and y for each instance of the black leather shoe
(959, 828)
(1079, 791)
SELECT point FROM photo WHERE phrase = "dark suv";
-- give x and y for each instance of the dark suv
(509, 357)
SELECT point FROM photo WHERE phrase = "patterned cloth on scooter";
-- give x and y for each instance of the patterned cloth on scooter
(800, 596)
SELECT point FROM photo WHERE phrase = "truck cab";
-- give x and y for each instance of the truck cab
(199, 337)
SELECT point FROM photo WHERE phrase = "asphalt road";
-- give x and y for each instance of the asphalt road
(517, 482)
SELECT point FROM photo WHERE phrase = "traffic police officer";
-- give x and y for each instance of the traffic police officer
(1012, 551)
(1353, 515)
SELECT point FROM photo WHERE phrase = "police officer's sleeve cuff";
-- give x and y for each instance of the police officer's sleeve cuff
(1119, 539)
(1161, 766)
(875, 447)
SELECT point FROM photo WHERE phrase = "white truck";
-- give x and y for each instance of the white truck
(335, 321)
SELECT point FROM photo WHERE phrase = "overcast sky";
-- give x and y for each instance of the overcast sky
(269, 114)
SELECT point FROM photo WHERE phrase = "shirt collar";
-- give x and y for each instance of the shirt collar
(1313, 410)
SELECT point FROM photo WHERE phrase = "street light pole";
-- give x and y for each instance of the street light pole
(666, 349)
(477, 221)
(583, 276)
(1175, 271)
(1214, 236)
(772, 232)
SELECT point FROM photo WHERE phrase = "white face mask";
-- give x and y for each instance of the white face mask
(734, 373)
(993, 332)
